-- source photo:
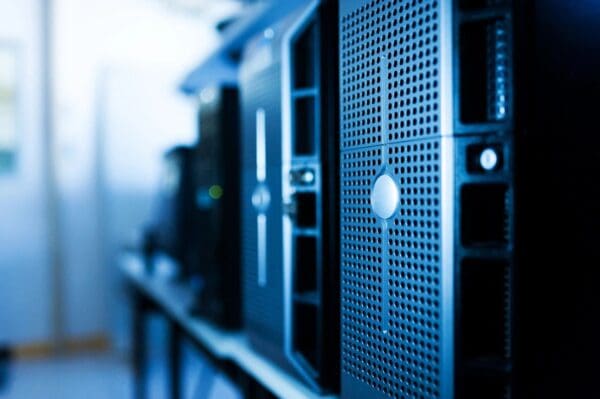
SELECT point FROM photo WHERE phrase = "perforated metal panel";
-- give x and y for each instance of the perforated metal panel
(390, 268)
(389, 72)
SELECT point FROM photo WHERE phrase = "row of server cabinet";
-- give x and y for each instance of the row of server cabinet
(400, 199)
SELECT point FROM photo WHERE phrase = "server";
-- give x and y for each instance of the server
(171, 228)
(289, 108)
(217, 182)
(197, 212)
(468, 221)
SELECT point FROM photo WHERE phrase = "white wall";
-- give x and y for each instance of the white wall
(142, 51)
(25, 307)
(118, 63)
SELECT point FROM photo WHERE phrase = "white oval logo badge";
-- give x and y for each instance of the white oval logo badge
(385, 197)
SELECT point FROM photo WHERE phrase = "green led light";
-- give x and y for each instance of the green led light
(215, 192)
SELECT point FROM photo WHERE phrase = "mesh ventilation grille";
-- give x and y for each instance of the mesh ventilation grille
(390, 274)
(391, 269)
(389, 72)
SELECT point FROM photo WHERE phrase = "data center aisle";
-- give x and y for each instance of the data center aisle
(108, 375)
(73, 377)
(92, 375)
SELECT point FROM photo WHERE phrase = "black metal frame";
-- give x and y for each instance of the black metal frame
(143, 306)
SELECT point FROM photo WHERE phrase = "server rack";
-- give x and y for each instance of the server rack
(455, 188)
